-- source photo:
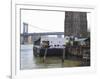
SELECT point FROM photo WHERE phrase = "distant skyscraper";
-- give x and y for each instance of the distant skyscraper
(75, 24)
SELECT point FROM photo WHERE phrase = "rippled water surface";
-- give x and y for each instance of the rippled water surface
(28, 61)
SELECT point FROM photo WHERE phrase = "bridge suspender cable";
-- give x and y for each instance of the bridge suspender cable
(39, 28)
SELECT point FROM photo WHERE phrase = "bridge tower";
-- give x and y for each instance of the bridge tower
(75, 24)
(25, 33)
(25, 28)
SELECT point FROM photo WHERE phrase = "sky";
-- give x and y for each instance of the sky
(44, 21)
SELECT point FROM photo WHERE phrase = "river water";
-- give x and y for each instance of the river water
(28, 61)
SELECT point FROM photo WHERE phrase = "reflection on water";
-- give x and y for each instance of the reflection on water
(28, 61)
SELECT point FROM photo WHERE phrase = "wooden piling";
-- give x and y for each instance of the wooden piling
(44, 58)
(63, 57)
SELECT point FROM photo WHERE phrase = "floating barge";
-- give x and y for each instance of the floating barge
(49, 46)
(46, 49)
(38, 51)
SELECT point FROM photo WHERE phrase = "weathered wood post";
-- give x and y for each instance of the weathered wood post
(63, 56)
(44, 58)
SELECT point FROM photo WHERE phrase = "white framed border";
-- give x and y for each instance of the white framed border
(43, 73)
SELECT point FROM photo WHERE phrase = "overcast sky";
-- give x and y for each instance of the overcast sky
(44, 21)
